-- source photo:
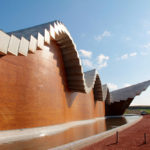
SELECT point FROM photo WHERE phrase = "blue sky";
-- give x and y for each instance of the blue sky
(113, 36)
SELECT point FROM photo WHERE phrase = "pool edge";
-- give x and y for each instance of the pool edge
(76, 145)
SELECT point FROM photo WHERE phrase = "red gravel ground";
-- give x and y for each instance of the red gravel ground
(131, 138)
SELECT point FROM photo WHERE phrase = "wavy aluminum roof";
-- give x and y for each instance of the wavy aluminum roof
(128, 92)
(33, 38)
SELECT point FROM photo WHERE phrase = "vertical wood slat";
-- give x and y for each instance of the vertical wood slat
(32, 44)
(24, 46)
(52, 32)
(40, 41)
(13, 45)
(47, 37)
(4, 42)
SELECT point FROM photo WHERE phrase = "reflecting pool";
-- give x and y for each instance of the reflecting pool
(69, 135)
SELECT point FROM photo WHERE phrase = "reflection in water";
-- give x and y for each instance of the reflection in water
(70, 135)
(115, 122)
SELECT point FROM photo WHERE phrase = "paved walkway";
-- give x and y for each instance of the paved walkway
(129, 139)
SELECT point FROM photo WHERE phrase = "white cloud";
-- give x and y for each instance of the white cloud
(112, 86)
(102, 61)
(104, 34)
(98, 63)
(125, 56)
(147, 46)
(102, 58)
(85, 53)
(87, 63)
(126, 85)
(133, 54)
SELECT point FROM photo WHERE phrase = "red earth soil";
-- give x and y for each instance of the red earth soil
(131, 138)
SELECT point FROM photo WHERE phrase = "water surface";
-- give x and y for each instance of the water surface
(69, 135)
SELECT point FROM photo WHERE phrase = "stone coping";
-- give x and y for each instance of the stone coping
(8, 136)
(95, 138)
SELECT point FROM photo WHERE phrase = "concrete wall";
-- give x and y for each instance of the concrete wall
(33, 92)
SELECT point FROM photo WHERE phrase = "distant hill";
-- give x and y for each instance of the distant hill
(137, 109)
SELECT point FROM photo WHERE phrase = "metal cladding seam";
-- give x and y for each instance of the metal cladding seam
(36, 37)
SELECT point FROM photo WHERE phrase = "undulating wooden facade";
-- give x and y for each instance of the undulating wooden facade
(42, 81)
(39, 89)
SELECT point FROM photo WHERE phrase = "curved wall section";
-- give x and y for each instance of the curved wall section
(48, 86)
(42, 81)
(33, 38)
(34, 92)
